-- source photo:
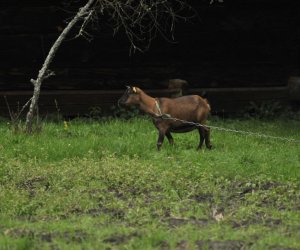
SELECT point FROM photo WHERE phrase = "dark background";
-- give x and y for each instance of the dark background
(236, 51)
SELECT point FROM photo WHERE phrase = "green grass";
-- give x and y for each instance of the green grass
(99, 185)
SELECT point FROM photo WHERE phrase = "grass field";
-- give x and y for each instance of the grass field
(103, 185)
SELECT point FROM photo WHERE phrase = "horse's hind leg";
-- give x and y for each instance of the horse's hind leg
(170, 138)
(204, 130)
(202, 137)
(207, 138)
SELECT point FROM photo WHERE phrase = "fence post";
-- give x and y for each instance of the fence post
(179, 85)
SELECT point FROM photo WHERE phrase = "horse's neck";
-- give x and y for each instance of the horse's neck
(147, 103)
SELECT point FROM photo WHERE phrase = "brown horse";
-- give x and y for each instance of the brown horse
(192, 108)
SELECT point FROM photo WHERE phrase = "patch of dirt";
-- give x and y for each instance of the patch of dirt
(283, 196)
(202, 198)
(114, 212)
(163, 245)
(246, 223)
(38, 218)
(260, 185)
(242, 188)
(272, 222)
(220, 245)
(19, 233)
(276, 247)
(34, 183)
(95, 212)
(119, 239)
(46, 236)
(76, 211)
(258, 219)
(117, 193)
(77, 236)
(177, 222)
(182, 245)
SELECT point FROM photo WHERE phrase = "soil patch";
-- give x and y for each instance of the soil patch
(182, 245)
(258, 219)
(119, 239)
(176, 222)
(220, 245)
(19, 233)
(276, 247)
(163, 245)
(113, 212)
(202, 198)
(95, 212)
(32, 184)
(77, 236)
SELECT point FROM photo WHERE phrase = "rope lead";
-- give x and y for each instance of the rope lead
(168, 117)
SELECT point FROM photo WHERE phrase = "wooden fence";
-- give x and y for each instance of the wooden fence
(80, 102)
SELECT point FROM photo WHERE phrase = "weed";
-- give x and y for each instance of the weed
(125, 113)
(264, 110)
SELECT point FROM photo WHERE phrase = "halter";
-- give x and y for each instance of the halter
(160, 114)
(158, 107)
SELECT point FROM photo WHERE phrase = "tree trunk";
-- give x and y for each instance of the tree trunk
(44, 73)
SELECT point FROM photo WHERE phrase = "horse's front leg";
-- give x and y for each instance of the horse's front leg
(161, 137)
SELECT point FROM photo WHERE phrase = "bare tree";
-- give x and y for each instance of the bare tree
(141, 20)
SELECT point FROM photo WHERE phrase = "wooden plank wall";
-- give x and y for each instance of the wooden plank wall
(241, 45)
(77, 102)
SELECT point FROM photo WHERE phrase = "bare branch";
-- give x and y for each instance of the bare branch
(82, 31)
(33, 82)
(143, 20)
(49, 73)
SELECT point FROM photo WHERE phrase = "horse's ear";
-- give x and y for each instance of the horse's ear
(134, 89)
